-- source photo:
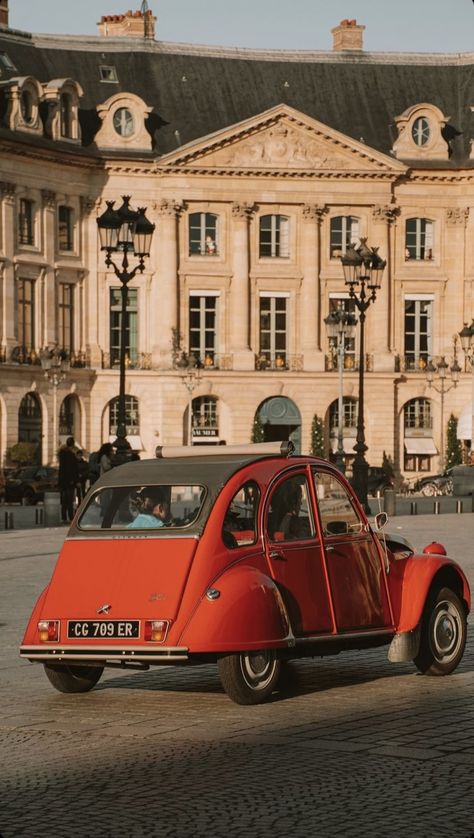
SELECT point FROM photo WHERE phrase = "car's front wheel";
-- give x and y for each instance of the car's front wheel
(249, 677)
(443, 634)
(73, 679)
(429, 490)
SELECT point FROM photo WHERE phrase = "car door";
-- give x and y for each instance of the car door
(295, 555)
(355, 569)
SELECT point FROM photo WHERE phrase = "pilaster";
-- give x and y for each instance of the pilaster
(310, 300)
(239, 314)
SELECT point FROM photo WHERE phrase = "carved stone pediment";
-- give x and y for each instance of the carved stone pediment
(281, 139)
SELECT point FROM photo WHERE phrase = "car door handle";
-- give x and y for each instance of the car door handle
(275, 554)
(329, 549)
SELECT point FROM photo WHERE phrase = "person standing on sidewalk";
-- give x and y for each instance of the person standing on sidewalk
(68, 479)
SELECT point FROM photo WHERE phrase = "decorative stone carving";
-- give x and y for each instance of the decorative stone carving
(49, 198)
(243, 211)
(89, 204)
(457, 216)
(386, 213)
(168, 207)
(123, 123)
(431, 145)
(314, 212)
(7, 191)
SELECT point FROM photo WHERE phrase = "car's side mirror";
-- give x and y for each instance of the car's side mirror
(380, 520)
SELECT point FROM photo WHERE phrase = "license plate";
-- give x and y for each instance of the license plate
(90, 629)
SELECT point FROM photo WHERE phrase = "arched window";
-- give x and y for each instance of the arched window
(132, 416)
(344, 230)
(203, 234)
(418, 429)
(30, 422)
(349, 428)
(205, 421)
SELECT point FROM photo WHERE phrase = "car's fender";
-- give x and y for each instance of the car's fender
(31, 632)
(242, 610)
(411, 580)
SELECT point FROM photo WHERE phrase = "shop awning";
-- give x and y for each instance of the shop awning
(464, 430)
(420, 445)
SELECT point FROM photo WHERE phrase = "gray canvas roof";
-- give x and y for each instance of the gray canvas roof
(196, 91)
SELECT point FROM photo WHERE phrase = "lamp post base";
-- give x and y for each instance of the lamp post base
(360, 479)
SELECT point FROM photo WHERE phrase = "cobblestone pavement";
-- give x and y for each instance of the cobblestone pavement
(356, 747)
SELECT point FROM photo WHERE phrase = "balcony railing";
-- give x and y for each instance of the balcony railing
(351, 363)
(25, 355)
(279, 363)
(410, 363)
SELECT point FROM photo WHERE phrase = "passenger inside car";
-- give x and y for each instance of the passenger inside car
(153, 509)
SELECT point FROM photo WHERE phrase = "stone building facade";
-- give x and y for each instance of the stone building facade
(258, 169)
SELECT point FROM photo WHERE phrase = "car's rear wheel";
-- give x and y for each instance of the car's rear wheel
(249, 677)
(73, 679)
(429, 490)
(443, 634)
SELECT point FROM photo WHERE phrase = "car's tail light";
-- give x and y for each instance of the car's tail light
(48, 630)
(156, 630)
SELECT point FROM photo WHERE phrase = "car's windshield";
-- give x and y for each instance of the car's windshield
(143, 507)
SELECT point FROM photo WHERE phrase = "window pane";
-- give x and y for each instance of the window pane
(338, 515)
(143, 507)
(240, 522)
(289, 515)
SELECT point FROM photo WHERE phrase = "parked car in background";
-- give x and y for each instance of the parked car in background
(378, 481)
(28, 484)
(242, 556)
(435, 484)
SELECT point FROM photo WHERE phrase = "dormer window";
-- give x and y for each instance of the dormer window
(108, 73)
(421, 131)
(66, 115)
(6, 62)
(62, 122)
(27, 106)
(123, 121)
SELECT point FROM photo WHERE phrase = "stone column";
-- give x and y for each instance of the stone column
(92, 257)
(7, 301)
(164, 295)
(382, 313)
(239, 308)
(310, 300)
(47, 331)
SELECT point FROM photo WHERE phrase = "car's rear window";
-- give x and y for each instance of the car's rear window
(135, 508)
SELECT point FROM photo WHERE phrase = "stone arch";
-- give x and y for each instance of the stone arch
(280, 420)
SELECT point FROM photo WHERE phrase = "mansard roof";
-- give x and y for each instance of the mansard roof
(196, 91)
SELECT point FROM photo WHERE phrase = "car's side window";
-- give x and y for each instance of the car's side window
(240, 521)
(337, 512)
(289, 513)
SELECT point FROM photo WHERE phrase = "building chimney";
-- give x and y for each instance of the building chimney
(348, 35)
(3, 12)
(140, 24)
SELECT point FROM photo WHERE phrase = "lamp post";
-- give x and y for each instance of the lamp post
(124, 231)
(55, 365)
(440, 368)
(190, 376)
(340, 326)
(363, 269)
(467, 343)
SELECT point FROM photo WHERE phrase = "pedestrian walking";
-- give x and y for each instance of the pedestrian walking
(68, 479)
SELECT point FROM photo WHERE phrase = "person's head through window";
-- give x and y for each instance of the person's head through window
(153, 508)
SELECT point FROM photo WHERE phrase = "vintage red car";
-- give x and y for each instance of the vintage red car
(243, 556)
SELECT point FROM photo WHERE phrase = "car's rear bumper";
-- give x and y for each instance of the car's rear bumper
(104, 654)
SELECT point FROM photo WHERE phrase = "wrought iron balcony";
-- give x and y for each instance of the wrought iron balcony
(279, 363)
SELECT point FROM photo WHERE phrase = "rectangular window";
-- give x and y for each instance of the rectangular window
(26, 232)
(275, 236)
(344, 230)
(273, 332)
(419, 239)
(66, 316)
(203, 230)
(131, 327)
(65, 228)
(202, 328)
(418, 328)
(25, 314)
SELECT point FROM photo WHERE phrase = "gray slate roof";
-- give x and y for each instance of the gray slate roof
(196, 91)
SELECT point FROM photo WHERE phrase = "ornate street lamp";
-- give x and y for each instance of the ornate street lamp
(363, 269)
(467, 343)
(190, 371)
(340, 327)
(55, 364)
(440, 369)
(124, 231)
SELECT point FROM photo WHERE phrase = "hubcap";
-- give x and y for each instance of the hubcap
(258, 669)
(446, 631)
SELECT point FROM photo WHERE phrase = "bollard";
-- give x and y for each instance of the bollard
(390, 502)
(9, 524)
(51, 509)
(413, 508)
(436, 507)
(39, 515)
(459, 506)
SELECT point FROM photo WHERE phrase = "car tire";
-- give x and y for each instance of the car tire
(250, 677)
(443, 633)
(429, 490)
(28, 498)
(73, 679)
